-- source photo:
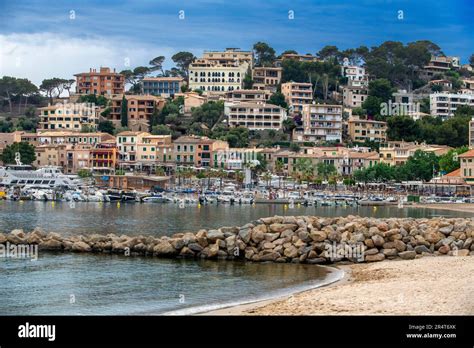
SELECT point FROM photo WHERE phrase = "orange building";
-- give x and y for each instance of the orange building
(104, 156)
(104, 82)
(140, 109)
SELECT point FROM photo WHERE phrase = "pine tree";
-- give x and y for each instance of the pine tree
(124, 113)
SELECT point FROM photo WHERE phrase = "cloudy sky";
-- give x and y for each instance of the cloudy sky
(54, 38)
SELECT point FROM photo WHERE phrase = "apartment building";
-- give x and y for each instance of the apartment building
(235, 158)
(247, 95)
(467, 166)
(155, 149)
(140, 109)
(77, 157)
(353, 72)
(438, 65)
(397, 153)
(254, 116)
(297, 57)
(266, 78)
(127, 145)
(321, 123)
(9, 138)
(230, 55)
(361, 130)
(50, 155)
(104, 156)
(102, 82)
(354, 96)
(345, 160)
(70, 117)
(297, 94)
(65, 137)
(445, 104)
(162, 86)
(197, 151)
(217, 76)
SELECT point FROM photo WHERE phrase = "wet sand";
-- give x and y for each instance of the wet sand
(432, 285)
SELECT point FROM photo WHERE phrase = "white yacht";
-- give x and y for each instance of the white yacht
(24, 175)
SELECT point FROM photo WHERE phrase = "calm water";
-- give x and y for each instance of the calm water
(72, 284)
(166, 219)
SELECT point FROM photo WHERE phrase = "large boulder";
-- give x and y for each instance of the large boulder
(407, 255)
(50, 244)
(213, 235)
(282, 227)
(81, 247)
(164, 248)
(374, 258)
(378, 240)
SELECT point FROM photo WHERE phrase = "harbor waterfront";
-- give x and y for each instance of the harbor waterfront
(163, 285)
(166, 219)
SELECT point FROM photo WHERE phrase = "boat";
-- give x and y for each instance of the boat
(155, 199)
(47, 177)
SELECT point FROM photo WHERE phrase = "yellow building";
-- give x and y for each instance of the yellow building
(467, 166)
(397, 153)
(367, 130)
(297, 94)
(69, 117)
(266, 78)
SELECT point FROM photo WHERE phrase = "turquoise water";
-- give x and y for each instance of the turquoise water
(73, 284)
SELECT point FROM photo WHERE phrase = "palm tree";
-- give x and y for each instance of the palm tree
(267, 176)
(305, 167)
(240, 177)
(221, 174)
(279, 166)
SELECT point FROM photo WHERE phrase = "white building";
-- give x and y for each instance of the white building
(353, 72)
(321, 122)
(254, 116)
(445, 104)
(215, 75)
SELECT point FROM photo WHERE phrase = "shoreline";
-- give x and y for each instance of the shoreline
(424, 286)
(248, 308)
(459, 207)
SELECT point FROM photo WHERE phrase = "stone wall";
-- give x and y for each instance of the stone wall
(305, 239)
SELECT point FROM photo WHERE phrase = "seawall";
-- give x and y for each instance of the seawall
(297, 239)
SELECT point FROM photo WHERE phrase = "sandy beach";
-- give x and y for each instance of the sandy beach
(463, 207)
(441, 285)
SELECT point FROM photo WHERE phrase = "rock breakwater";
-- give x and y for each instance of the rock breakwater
(297, 239)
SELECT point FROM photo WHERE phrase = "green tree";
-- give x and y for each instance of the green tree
(382, 89)
(161, 130)
(124, 112)
(325, 170)
(372, 105)
(265, 55)
(208, 113)
(106, 127)
(328, 52)
(182, 60)
(157, 64)
(422, 165)
(402, 128)
(278, 98)
(247, 81)
(449, 161)
(26, 150)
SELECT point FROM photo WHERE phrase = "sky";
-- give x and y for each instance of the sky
(58, 38)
